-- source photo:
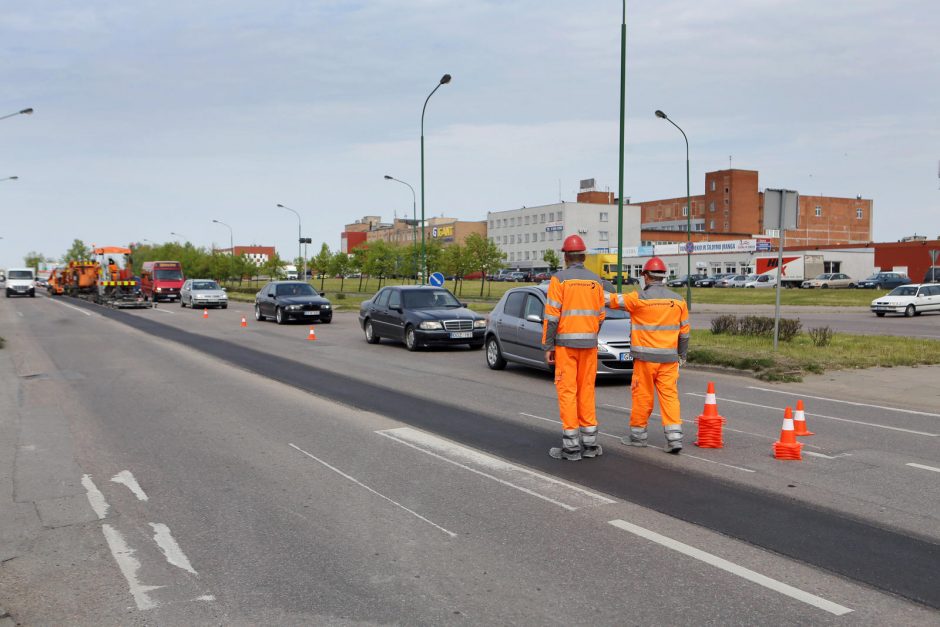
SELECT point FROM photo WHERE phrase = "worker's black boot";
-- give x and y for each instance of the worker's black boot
(570, 448)
(590, 447)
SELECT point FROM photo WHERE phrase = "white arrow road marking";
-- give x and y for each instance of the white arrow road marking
(129, 565)
(734, 569)
(171, 550)
(95, 497)
(125, 477)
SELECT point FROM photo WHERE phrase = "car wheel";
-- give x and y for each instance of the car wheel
(880, 314)
(494, 357)
(182, 304)
(371, 337)
(279, 316)
(326, 320)
(909, 311)
(411, 342)
(852, 286)
(224, 306)
(258, 315)
(825, 287)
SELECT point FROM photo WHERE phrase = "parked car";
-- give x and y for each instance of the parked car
(203, 293)
(884, 281)
(542, 276)
(728, 280)
(933, 275)
(292, 300)
(420, 316)
(761, 281)
(685, 279)
(514, 334)
(829, 280)
(710, 281)
(910, 300)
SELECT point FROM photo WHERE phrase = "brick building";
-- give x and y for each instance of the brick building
(256, 254)
(402, 232)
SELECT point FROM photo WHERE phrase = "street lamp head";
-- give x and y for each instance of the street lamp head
(28, 111)
(445, 79)
(388, 178)
(281, 206)
(660, 114)
(14, 178)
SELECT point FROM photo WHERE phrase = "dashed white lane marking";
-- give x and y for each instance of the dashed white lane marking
(734, 569)
(610, 435)
(922, 467)
(167, 311)
(835, 400)
(19, 313)
(171, 550)
(95, 497)
(59, 302)
(815, 454)
(125, 477)
(379, 494)
(129, 565)
(205, 597)
(857, 422)
(525, 480)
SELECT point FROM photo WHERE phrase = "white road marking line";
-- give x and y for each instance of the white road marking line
(835, 400)
(205, 597)
(922, 467)
(129, 565)
(95, 497)
(362, 485)
(171, 550)
(610, 435)
(163, 310)
(815, 454)
(857, 422)
(125, 477)
(734, 569)
(19, 313)
(421, 441)
(59, 302)
(692, 422)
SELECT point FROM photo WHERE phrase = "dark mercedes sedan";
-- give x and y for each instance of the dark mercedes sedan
(291, 300)
(420, 316)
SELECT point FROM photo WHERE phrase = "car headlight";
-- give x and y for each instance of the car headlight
(428, 325)
(295, 307)
(479, 324)
(326, 306)
(159, 289)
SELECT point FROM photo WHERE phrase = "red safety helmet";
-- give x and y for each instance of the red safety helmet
(573, 244)
(654, 266)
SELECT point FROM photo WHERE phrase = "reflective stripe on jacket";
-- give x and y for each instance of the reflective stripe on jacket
(574, 309)
(659, 323)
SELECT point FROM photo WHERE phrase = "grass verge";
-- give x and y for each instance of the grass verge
(798, 357)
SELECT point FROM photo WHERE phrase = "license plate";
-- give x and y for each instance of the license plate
(311, 313)
(625, 357)
(459, 335)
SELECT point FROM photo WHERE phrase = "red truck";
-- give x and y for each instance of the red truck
(161, 280)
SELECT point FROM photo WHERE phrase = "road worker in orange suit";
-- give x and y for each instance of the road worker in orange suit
(574, 310)
(659, 342)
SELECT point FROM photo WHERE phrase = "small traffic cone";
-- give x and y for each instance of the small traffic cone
(205, 313)
(788, 448)
(313, 335)
(244, 322)
(799, 421)
(709, 422)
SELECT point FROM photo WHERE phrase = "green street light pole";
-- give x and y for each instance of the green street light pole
(623, 91)
(424, 253)
(28, 111)
(414, 220)
(688, 212)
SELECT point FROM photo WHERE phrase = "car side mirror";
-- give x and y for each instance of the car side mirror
(323, 294)
(398, 309)
(464, 305)
(534, 318)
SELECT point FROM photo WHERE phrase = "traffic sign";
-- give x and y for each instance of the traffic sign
(436, 279)
(690, 247)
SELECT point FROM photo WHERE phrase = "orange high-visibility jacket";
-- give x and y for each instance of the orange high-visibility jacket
(574, 309)
(659, 323)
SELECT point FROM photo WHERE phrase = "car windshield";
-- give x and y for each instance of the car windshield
(428, 299)
(168, 275)
(20, 274)
(295, 289)
(904, 290)
(823, 277)
(205, 285)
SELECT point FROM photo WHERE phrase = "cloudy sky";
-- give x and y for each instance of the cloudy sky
(157, 117)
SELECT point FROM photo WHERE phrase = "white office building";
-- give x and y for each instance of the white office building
(525, 234)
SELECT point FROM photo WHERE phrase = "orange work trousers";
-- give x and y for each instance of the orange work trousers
(664, 379)
(575, 370)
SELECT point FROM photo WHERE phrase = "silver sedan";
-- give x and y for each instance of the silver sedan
(203, 293)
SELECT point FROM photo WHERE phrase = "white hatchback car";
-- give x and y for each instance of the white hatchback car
(910, 300)
(762, 280)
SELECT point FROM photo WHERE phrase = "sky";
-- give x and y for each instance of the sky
(154, 118)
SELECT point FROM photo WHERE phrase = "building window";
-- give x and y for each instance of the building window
(818, 211)
(526, 238)
(557, 235)
(711, 206)
(713, 185)
(542, 236)
(603, 217)
(726, 190)
(859, 213)
(685, 211)
(542, 219)
(526, 255)
(559, 216)
(512, 256)
(726, 202)
(711, 225)
(527, 220)
(603, 236)
(512, 239)
(551, 216)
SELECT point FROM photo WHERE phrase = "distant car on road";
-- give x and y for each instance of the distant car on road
(829, 280)
(685, 279)
(419, 316)
(710, 281)
(729, 279)
(203, 293)
(761, 281)
(292, 300)
(910, 300)
(884, 280)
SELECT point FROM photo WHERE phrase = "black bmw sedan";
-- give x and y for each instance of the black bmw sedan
(291, 300)
(420, 316)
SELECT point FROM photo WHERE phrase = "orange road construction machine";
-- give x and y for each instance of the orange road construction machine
(108, 279)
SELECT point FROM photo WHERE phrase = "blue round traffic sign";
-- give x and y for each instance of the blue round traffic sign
(436, 279)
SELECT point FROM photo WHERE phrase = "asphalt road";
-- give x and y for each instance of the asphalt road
(332, 481)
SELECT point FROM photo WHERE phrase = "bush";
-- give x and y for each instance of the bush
(821, 336)
(756, 326)
(789, 329)
(340, 296)
(725, 324)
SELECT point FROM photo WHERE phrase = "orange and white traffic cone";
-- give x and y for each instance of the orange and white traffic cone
(788, 447)
(313, 335)
(244, 322)
(799, 421)
(709, 422)
(205, 313)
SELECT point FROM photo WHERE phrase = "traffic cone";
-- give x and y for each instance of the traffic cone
(313, 335)
(205, 313)
(788, 448)
(799, 421)
(244, 322)
(709, 422)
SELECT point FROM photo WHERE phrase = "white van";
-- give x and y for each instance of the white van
(21, 282)
(291, 272)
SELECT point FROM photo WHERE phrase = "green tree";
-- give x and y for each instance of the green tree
(322, 263)
(339, 264)
(456, 261)
(435, 252)
(551, 258)
(272, 267)
(77, 252)
(359, 261)
(33, 259)
(380, 261)
(485, 256)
